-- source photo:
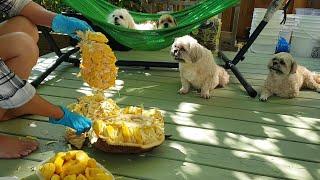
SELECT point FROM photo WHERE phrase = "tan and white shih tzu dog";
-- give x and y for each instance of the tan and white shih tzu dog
(122, 17)
(286, 78)
(166, 21)
(197, 67)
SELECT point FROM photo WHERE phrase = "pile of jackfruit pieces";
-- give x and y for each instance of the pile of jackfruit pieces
(97, 67)
(133, 127)
(73, 165)
(129, 126)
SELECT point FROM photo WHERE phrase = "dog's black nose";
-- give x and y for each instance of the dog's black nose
(116, 18)
(175, 52)
(166, 25)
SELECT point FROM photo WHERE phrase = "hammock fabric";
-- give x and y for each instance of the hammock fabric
(188, 19)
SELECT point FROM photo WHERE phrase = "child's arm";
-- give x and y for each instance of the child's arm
(37, 14)
(58, 22)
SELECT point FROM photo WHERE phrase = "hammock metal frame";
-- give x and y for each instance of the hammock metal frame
(229, 64)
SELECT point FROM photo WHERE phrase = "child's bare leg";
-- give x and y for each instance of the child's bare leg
(20, 60)
(19, 24)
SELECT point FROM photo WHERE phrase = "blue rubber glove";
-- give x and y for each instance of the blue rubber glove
(73, 120)
(69, 25)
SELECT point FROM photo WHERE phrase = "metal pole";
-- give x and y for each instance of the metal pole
(274, 6)
(61, 59)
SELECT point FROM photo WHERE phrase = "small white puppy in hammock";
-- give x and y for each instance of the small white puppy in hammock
(121, 17)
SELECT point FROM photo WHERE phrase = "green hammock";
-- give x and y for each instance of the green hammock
(187, 20)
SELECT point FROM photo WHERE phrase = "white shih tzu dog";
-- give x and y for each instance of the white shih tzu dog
(197, 67)
(286, 78)
(121, 17)
(166, 21)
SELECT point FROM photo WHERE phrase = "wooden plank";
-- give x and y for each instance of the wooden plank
(297, 119)
(301, 4)
(294, 120)
(240, 126)
(225, 138)
(210, 137)
(145, 167)
(241, 161)
(141, 86)
(174, 79)
(227, 18)
(118, 163)
(246, 12)
(150, 77)
(209, 104)
(254, 67)
(180, 151)
(18, 167)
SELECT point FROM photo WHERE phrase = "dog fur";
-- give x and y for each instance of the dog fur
(166, 21)
(197, 67)
(122, 17)
(286, 78)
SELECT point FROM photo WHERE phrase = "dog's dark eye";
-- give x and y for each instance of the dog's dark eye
(182, 49)
(121, 17)
(282, 62)
(113, 15)
(169, 21)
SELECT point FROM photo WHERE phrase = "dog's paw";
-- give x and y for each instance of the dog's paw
(205, 95)
(263, 98)
(183, 91)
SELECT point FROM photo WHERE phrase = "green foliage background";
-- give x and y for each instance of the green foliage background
(58, 5)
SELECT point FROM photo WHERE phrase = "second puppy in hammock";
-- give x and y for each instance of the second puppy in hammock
(121, 17)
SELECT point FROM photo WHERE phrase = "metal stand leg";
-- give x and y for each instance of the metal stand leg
(63, 57)
(274, 6)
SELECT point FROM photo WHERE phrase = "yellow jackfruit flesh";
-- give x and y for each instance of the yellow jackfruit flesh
(72, 166)
(47, 170)
(98, 67)
(55, 177)
(139, 127)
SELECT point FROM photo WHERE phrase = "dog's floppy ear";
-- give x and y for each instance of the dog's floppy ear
(131, 24)
(294, 67)
(174, 21)
(195, 52)
(270, 62)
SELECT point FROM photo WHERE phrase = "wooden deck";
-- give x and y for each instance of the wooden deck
(230, 136)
